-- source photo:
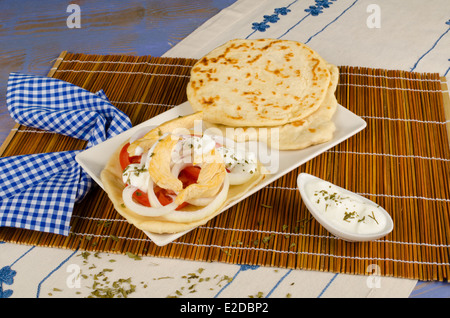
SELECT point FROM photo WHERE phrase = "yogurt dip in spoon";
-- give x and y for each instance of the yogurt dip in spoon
(343, 213)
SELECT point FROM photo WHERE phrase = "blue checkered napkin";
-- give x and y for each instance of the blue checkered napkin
(38, 191)
(61, 107)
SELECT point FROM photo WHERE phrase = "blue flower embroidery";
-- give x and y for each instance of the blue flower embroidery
(282, 10)
(271, 18)
(448, 22)
(6, 277)
(262, 26)
(323, 3)
(245, 267)
(314, 10)
(317, 9)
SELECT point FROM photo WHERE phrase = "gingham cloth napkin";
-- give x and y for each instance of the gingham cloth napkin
(38, 191)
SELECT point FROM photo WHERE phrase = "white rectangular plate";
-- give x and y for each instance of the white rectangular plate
(93, 160)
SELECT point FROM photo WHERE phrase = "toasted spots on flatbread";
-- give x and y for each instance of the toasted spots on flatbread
(299, 134)
(274, 82)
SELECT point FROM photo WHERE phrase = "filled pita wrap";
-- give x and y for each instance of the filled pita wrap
(175, 178)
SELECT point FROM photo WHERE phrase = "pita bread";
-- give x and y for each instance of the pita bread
(313, 129)
(264, 82)
(153, 135)
(111, 177)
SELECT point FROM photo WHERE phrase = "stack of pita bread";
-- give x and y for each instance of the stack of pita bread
(248, 85)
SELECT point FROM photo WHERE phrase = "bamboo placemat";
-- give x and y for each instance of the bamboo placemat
(401, 160)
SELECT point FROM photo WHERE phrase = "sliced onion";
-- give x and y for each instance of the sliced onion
(143, 158)
(178, 167)
(154, 202)
(127, 196)
(191, 216)
(201, 201)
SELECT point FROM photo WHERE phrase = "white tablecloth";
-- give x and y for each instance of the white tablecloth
(407, 35)
(392, 34)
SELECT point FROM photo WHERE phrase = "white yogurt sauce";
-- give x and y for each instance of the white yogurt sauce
(197, 145)
(136, 175)
(236, 160)
(345, 210)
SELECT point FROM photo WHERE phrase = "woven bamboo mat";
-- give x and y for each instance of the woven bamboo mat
(401, 160)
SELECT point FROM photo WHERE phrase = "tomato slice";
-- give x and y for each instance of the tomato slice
(125, 158)
(182, 205)
(189, 175)
(192, 172)
(141, 198)
(163, 197)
